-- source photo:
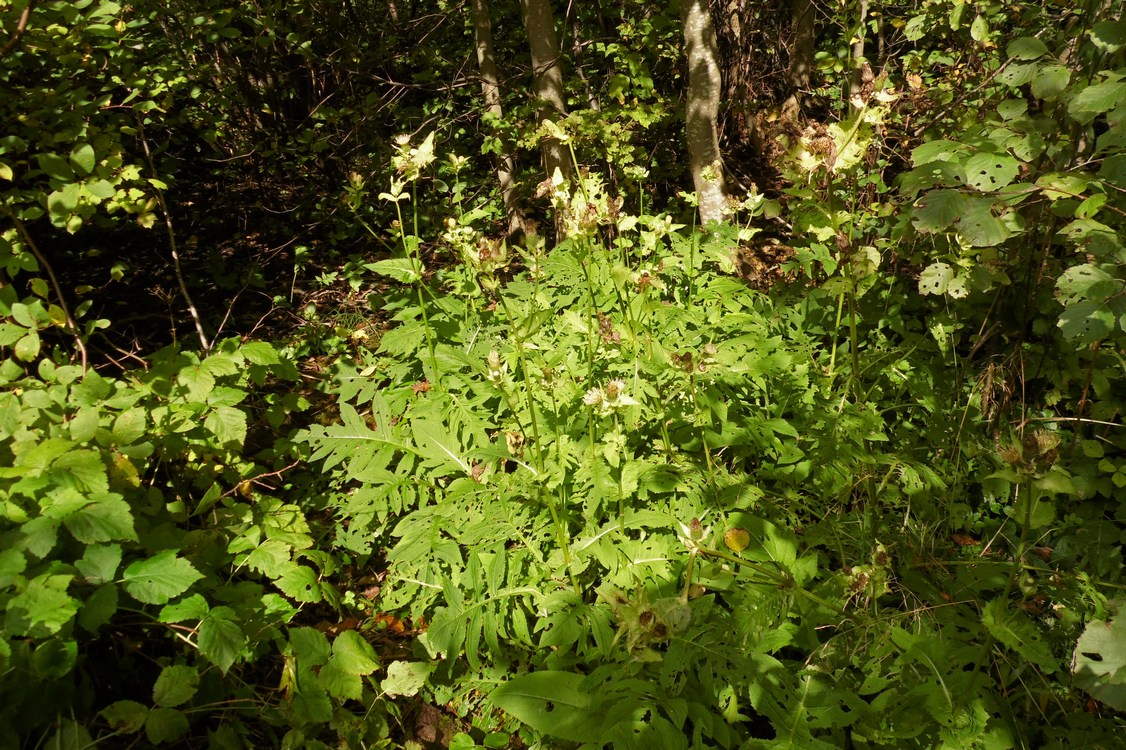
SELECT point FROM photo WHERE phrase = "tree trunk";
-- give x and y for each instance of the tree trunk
(801, 55)
(704, 84)
(490, 90)
(861, 72)
(547, 79)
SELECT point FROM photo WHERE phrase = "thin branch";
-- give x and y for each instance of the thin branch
(21, 27)
(172, 243)
(70, 322)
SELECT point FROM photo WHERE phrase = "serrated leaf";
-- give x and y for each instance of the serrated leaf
(159, 578)
(99, 564)
(554, 703)
(129, 427)
(98, 608)
(221, 640)
(228, 424)
(125, 716)
(220, 365)
(271, 558)
(193, 607)
(197, 380)
(42, 608)
(353, 654)
(105, 518)
(310, 646)
(1015, 631)
(165, 725)
(339, 683)
(300, 583)
(175, 686)
(1086, 282)
(1109, 36)
(260, 353)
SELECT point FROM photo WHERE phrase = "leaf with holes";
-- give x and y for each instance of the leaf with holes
(554, 703)
(989, 172)
(935, 278)
(1099, 662)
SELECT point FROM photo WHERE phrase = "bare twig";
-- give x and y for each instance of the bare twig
(172, 244)
(70, 322)
(21, 27)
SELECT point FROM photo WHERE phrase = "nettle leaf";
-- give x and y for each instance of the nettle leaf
(353, 654)
(1015, 631)
(98, 608)
(99, 564)
(557, 704)
(198, 380)
(107, 517)
(310, 646)
(1099, 662)
(42, 608)
(125, 716)
(938, 151)
(175, 686)
(194, 607)
(165, 725)
(221, 640)
(340, 683)
(159, 578)
(300, 583)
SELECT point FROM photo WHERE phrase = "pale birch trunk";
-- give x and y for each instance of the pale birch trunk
(704, 86)
(490, 90)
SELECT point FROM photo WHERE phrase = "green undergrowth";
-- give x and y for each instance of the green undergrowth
(594, 491)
